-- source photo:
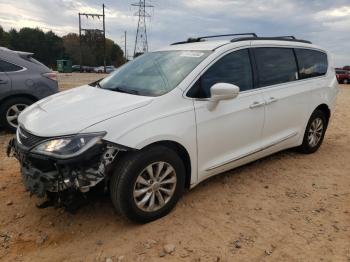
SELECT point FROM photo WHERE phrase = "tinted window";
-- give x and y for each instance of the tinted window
(311, 63)
(8, 67)
(234, 68)
(275, 65)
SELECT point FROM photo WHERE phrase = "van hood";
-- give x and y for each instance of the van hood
(71, 111)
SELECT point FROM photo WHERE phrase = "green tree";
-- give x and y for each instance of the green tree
(55, 48)
(92, 50)
(4, 38)
(49, 47)
(71, 47)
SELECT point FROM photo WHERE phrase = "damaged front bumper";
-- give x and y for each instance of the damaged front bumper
(42, 174)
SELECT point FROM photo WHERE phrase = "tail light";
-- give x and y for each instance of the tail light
(51, 75)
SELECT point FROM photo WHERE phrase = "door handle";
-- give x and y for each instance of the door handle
(257, 104)
(271, 100)
(3, 82)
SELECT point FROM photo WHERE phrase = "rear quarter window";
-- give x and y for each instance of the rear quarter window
(311, 63)
(9, 67)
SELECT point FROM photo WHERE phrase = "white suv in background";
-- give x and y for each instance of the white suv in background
(171, 118)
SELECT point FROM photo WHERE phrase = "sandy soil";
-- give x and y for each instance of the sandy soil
(287, 207)
(70, 80)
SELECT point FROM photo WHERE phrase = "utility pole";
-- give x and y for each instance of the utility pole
(141, 42)
(80, 53)
(104, 38)
(125, 54)
(97, 32)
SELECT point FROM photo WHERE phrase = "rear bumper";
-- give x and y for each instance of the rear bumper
(41, 174)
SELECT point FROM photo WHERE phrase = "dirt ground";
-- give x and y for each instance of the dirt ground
(286, 207)
(70, 80)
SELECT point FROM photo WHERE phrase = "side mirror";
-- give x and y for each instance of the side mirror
(223, 91)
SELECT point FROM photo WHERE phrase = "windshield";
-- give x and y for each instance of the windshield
(153, 74)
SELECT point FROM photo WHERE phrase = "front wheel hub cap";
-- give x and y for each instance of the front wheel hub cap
(154, 186)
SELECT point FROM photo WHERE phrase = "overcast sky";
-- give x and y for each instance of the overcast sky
(324, 22)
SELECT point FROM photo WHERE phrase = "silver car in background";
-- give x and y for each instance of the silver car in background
(23, 81)
(100, 69)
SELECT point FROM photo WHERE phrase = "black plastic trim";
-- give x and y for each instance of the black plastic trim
(253, 68)
(297, 62)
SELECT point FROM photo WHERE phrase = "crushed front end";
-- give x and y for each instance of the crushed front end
(62, 164)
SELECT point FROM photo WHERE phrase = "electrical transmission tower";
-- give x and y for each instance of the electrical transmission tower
(141, 42)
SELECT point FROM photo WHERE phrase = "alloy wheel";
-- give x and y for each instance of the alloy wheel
(315, 132)
(13, 112)
(155, 186)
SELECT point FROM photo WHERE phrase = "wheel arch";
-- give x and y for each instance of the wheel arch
(325, 109)
(182, 153)
(31, 97)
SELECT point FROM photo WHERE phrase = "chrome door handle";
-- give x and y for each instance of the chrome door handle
(271, 100)
(257, 104)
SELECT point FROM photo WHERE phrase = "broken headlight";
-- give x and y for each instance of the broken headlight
(68, 146)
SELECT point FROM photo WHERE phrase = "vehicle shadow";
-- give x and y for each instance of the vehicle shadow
(98, 198)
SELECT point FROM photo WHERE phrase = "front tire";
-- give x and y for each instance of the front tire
(147, 184)
(345, 81)
(314, 132)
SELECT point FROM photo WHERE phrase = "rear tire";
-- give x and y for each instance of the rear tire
(346, 81)
(9, 111)
(136, 195)
(314, 132)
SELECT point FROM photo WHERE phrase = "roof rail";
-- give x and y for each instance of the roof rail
(199, 39)
(244, 37)
(279, 38)
(287, 36)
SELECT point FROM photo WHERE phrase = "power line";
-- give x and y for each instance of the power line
(141, 42)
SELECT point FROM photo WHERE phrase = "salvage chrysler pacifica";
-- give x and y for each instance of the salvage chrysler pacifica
(172, 118)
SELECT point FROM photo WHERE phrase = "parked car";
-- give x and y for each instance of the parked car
(23, 81)
(100, 69)
(76, 68)
(87, 69)
(172, 118)
(343, 76)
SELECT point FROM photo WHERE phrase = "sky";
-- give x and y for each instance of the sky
(324, 22)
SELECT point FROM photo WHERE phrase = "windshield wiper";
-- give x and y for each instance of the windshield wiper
(126, 90)
(96, 83)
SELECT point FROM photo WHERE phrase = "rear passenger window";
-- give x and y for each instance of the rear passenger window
(8, 67)
(275, 65)
(311, 63)
(234, 68)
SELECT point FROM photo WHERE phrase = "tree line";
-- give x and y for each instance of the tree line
(49, 47)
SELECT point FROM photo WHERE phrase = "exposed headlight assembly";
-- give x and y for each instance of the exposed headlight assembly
(68, 146)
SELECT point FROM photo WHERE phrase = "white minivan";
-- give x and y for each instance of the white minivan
(172, 118)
